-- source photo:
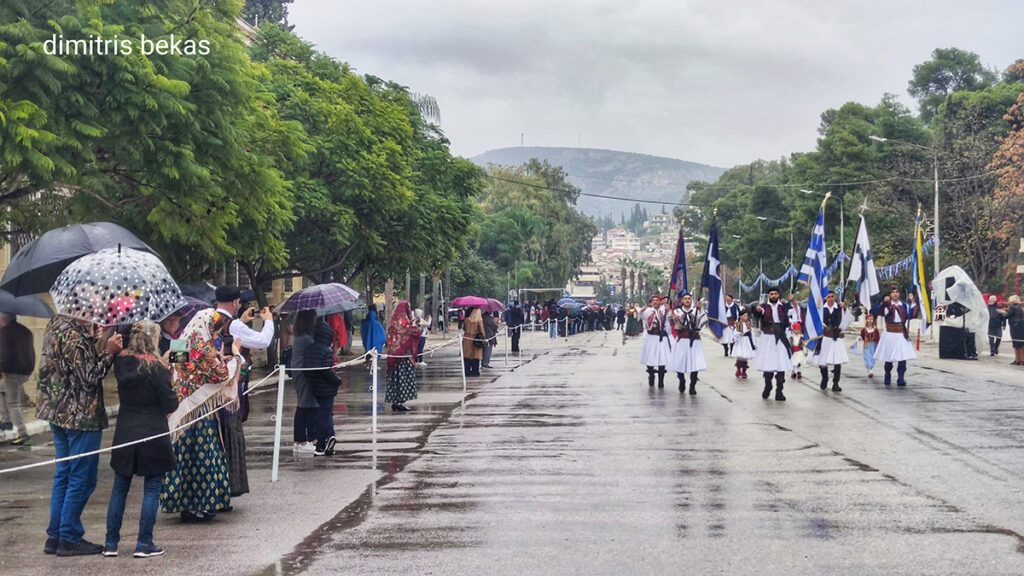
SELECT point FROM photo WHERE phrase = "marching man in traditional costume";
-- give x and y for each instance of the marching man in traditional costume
(773, 350)
(687, 351)
(831, 351)
(732, 313)
(743, 349)
(657, 349)
(894, 344)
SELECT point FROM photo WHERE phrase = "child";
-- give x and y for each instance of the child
(799, 356)
(869, 336)
(743, 344)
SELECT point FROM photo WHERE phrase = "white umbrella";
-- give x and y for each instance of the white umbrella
(115, 287)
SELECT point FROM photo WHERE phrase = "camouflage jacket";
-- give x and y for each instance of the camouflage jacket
(71, 377)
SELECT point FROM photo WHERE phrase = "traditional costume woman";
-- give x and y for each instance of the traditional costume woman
(200, 485)
(402, 348)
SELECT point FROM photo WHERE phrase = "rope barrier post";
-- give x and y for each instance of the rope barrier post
(373, 368)
(506, 347)
(462, 368)
(277, 423)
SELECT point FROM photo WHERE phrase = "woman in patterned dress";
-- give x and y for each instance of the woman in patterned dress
(402, 347)
(200, 485)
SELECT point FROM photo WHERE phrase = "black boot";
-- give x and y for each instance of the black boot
(836, 372)
(682, 381)
(661, 376)
(780, 379)
(650, 376)
(726, 348)
(901, 369)
(465, 367)
(693, 383)
(824, 377)
(888, 373)
(767, 385)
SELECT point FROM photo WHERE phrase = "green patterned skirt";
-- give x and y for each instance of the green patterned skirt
(200, 481)
(402, 383)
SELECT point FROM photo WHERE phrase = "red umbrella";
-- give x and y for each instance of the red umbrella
(470, 301)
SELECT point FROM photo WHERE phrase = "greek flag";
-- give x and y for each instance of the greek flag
(712, 282)
(862, 267)
(812, 275)
(917, 279)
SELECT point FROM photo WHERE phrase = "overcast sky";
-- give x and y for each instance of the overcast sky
(722, 82)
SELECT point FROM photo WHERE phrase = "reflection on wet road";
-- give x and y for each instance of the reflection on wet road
(572, 465)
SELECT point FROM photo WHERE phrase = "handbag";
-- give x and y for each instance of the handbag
(478, 340)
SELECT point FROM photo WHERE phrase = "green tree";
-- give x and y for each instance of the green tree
(260, 12)
(181, 149)
(950, 70)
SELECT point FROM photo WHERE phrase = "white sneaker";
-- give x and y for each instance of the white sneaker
(423, 363)
(305, 448)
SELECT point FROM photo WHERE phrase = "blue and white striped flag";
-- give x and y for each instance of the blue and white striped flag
(812, 275)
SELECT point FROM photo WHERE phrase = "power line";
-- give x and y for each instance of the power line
(606, 196)
(810, 185)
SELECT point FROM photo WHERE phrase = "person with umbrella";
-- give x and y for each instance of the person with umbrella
(403, 342)
(473, 341)
(70, 398)
(17, 362)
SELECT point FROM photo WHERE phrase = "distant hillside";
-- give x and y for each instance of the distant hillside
(624, 174)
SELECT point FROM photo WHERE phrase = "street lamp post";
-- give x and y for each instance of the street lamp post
(935, 177)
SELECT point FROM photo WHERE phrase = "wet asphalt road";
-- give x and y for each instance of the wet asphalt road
(572, 465)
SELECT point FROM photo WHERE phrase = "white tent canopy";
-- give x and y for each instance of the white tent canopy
(962, 291)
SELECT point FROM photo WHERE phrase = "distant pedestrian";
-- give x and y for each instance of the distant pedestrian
(71, 400)
(372, 332)
(514, 320)
(17, 362)
(403, 343)
(473, 342)
(146, 399)
(491, 334)
(304, 420)
(620, 318)
(633, 327)
(1015, 320)
(743, 349)
(996, 323)
(323, 385)
(423, 322)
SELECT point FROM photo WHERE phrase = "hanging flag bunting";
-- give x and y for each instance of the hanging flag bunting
(918, 277)
(862, 267)
(679, 284)
(812, 275)
(712, 282)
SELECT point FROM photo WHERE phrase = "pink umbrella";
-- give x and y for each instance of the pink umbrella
(470, 301)
(493, 306)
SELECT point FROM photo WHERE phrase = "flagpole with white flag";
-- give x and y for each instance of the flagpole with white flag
(712, 281)
(918, 276)
(862, 267)
(811, 274)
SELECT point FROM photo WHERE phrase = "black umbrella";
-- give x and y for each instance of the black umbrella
(202, 291)
(36, 266)
(33, 306)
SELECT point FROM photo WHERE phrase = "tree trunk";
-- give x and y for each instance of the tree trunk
(438, 312)
(389, 295)
(422, 303)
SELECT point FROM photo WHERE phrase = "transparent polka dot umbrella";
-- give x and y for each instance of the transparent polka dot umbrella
(116, 286)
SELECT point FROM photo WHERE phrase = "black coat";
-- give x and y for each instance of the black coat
(996, 321)
(144, 391)
(1015, 319)
(322, 383)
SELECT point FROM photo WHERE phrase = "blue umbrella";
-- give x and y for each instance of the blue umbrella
(567, 302)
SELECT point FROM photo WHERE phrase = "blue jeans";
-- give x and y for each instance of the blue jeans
(150, 501)
(553, 328)
(73, 481)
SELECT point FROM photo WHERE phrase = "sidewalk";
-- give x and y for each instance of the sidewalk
(274, 519)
